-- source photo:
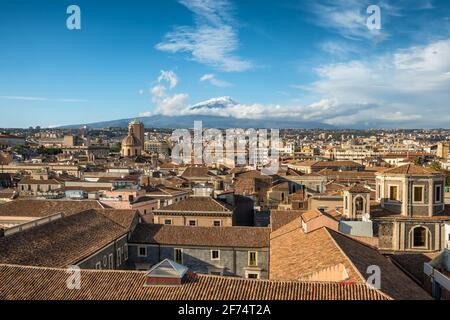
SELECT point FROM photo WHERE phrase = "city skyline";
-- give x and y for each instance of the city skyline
(297, 60)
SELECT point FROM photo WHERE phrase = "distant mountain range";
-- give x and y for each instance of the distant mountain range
(209, 121)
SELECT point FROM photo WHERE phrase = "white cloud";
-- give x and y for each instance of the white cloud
(349, 17)
(170, 77)
(215, 81)
(212, 41)
(409, 85)
(404, 88)
(339, 49)
(166, 103)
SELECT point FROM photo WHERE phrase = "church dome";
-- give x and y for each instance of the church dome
(131, 141)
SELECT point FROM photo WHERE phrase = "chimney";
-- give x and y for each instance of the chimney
(167, 273)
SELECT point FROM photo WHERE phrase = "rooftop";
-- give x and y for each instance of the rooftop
(295, 255)
(37, 283)
(247, 237)
(198, 204)
(65, 241)
(42, 208)
(410, 169)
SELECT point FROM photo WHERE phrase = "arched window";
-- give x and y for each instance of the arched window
(419, 237)
(359, 205)
(128, 152)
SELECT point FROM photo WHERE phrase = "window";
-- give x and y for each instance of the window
(252, 275)
(192, 223)
(437, 193)
(346, 203)
(215, 273)
(215, 255)
(142, 251)
(105, 261)
(217, 223)
(393, 193)
(419, 237)
(119, 257)
(178, 255)
(252, 258)
(125, 252)
(418, 194)
(111, 261)
(167, 221)
(378, 191)
(98, 265)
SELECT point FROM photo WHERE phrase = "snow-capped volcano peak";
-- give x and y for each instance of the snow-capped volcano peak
(215, 103)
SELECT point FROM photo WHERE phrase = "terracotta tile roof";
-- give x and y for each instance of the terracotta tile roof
(281, 186)
(195, 172)
(62, 242)
(393, 281)
(334, 188)
(307, 163)
(410, 169)
(295, 255)
(248, 174)
(123, 217)
(248, 237)
(165, 191)
(29, 180)
(358, 188)
(198, 204)
(33, 283)
(329, 164)
(279, 218)
(310, 214)
(42, 208)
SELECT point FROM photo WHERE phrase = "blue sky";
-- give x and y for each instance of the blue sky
(311, 60)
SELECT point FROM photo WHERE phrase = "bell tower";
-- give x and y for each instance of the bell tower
(137, 128)
(356, 202)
